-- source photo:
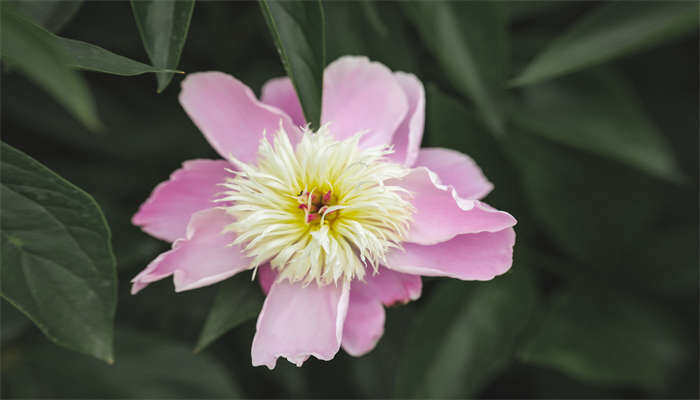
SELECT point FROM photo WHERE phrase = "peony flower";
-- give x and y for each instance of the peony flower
(335, 224)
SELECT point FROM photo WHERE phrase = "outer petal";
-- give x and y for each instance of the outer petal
(364, 324)
(191, 188)
(229, 115)
(204, 258)
(456, 169)
(477, 256)
(408, 136)
(389, 287)
(299, 321)
(360, 95)
(280, 93)
(266, 277)
(441, 214)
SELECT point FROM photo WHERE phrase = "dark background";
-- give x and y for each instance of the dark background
(602, 300)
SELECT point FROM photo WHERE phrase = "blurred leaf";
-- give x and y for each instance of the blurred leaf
(594, 208)
(472, 330)
(57, 262)
(51, 14)
(299, 31)
(470, 41)
(14, 323)
(519, 10)
(33, 50)
(163, 25)
(146, 367)
(598, 112)
(238, 300)
(369, 8)
(612, 30)
(607, 336)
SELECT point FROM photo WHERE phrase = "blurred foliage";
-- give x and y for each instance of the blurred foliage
(599, 163)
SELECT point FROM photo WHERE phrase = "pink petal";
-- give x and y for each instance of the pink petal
(441, 214)
(389, 287)
(299, 321)
(266, 277)
(476, 256)
(203, 258)
(456, 169)
(408, 136)
(190, 189)
(360, 95)
(280, 93)
(228, 114)
(364, 324)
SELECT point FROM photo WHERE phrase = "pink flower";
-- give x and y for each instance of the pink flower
(336, 224)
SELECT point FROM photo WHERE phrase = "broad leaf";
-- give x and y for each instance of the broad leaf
(608, 336)
(598, 112)
(471, 329)
(35, 52)
(470, 42)
(610, 31)
(596, 209)
(238, 300)
(298, 29)
(51, 14)
(163, 25)
(57, 264)
(146, 367)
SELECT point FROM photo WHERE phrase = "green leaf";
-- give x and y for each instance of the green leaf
(52, 14)
(594, 208)
(238, 300)
(607, 336)
(33, 50)
(89, 57)
(598, 112)
(612, 30)
(470, 42)
(472, 330)
(299, 31)
(163, 25)
(57, 264)
(146, 367)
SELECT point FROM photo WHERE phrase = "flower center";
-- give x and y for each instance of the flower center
(324, 210)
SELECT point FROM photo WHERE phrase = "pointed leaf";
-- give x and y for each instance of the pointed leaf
(57, 265)
(238, 300)
(298, 29)
(470, 42)
(609, 121)
(612, 30)
(163, 25)
(33, 51)
(472, 329)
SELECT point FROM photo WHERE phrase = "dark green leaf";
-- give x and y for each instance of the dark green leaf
(89, 57)
(470, 42)
(163, 25)
(610, 31)
(51, 14)
(57, 262)
(594, 208)
(464, 336)
(298, 29)
(608, 336)
(598, 112)
(146, 367)
(33, 50)
(238, 300)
